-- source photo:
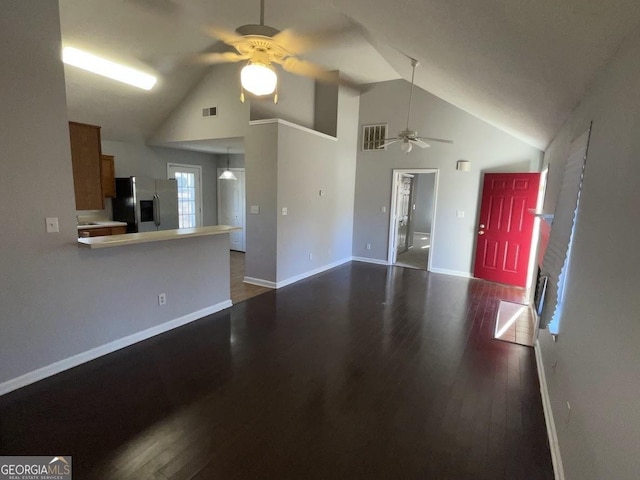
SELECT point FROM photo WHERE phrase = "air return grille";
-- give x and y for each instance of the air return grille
(373, 136)
(210, 112)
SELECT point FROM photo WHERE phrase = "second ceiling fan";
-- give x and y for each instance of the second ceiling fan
(408, 137)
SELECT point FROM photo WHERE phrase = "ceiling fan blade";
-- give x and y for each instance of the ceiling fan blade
(218, 57)
(297, 43)
(441, 140)
(227, 36)
(389, 141)
(308, 69)
(419, 142)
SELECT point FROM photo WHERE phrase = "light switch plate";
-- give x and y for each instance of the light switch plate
(460, 214)
(52, 225)
(254, 209)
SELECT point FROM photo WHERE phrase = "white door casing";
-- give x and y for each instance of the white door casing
(231, 206)
(189, 178)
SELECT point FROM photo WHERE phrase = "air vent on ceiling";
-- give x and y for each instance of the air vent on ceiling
(210, 112)
(373, 136)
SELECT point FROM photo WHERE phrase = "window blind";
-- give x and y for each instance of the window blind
(555, 259)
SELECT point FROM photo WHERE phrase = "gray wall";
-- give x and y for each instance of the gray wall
(488, 149)
(295, 101)
(56, 299)
(236, 160)
(219, 88)
(423, 200)
(133, 158)
(326, 108)
(318, 225)
(595, 364)
(261, 163)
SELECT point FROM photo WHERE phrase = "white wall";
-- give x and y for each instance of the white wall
(597, 358)
(488, 149)
(56, 299)
(136, 158)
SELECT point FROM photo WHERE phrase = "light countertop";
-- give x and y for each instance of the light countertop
(102, 224)
(146, 237)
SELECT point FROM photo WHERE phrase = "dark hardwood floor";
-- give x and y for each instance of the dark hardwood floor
(363, 372)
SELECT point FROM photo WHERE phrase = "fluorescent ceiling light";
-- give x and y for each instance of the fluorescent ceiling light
(107, 68)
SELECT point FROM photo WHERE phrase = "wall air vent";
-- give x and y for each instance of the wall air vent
(210, 112)
(373, 137)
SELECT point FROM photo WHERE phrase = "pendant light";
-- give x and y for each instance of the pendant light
(227, 174)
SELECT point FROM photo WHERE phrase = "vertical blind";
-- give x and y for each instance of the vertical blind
(555, 261)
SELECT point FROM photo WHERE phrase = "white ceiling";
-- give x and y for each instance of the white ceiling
(520, 65)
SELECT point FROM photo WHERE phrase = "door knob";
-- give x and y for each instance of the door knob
(482, 225)
(481, 232)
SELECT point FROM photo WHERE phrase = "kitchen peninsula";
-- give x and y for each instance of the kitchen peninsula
(147, 237)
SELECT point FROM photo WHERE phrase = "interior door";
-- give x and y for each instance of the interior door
(231, 207)
(403, 206)
(505, 228)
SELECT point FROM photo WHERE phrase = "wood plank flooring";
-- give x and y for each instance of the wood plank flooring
(362, 372)
(241, 291)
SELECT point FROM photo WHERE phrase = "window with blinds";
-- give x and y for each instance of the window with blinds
(373, 137)
(555, 264)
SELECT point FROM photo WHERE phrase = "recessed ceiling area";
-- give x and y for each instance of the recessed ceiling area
(521, 66)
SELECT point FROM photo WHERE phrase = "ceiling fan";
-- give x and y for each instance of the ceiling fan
(262, 47)
(409, 138)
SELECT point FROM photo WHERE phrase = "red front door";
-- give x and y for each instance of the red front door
(506, 227)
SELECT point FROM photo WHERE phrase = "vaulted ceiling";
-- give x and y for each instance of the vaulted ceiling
(517, 64)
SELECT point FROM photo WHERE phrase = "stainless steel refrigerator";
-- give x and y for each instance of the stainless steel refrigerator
(146, 204)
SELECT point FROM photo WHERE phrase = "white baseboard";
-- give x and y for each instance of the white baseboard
(310, 273)
(556, 459)
(370, 260)
(455, 273)
(259, 282)
(80, 358)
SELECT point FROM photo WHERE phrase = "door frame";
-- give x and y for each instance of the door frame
(244, 200)
(396, 177)
(199, 205)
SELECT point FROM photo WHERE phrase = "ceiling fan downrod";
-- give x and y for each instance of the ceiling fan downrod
(414, 64)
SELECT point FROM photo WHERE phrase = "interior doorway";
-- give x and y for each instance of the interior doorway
(412, 219)
(231, 206)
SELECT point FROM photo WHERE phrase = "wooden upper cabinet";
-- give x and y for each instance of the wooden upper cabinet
(86, 159)
(108, 173)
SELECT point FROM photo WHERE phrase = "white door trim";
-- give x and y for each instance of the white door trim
(244, 201)
(395, 182)
(178, 166)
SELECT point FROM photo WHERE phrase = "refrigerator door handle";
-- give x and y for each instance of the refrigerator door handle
(156, 209)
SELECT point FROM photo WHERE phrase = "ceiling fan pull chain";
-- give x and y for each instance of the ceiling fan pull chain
(261, 12)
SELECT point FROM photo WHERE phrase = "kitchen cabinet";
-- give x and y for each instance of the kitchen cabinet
(108, 175)
(86, 160)
(101, 231)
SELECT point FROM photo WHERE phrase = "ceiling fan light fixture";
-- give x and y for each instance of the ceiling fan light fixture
(258, 78)
(406, 147)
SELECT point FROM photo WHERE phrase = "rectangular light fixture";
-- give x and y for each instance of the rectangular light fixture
(107, 68)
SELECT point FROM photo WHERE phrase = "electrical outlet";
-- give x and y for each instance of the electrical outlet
(162, 299)
(52, 225)
(383, 209)
(368, 246)
(460, 214)
(285, 210)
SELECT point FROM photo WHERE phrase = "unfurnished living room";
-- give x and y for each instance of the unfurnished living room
(303, 240)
